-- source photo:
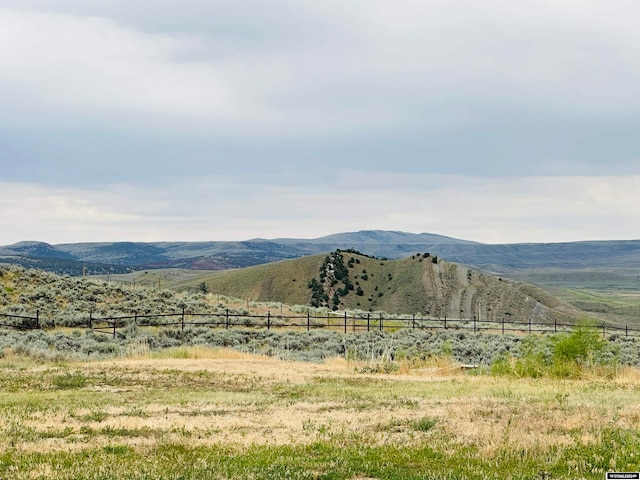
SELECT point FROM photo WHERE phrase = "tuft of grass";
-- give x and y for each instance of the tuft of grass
(118, 449)
(68, 381)
(424, 424)
(97, 416)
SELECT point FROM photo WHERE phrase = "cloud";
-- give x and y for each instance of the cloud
(311, 108)
(490, 88)
(491, 210)
(92, 68)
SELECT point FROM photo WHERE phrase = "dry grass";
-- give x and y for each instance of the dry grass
(228, 396)
(628, 375)
(199, 397)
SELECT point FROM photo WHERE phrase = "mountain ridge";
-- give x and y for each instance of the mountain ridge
(606, 255)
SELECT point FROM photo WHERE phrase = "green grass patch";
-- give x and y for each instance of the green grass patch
(68, 381)
(424, 424)
(97, 416)
(325, 460)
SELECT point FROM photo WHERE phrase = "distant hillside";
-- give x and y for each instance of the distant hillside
(67, 301)
(121, 257)
(379, 237)
(620, 257)
(379, 243)
(417, 284)
(63, 266)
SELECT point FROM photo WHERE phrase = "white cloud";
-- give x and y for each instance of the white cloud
(152, 109)
(92, 67)
(482, 209)
(366, 66)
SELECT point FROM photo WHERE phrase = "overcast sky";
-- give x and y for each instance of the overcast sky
(151, 120)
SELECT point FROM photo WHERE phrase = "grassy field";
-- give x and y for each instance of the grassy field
(198, 413)
(609, 296)
(616, 306)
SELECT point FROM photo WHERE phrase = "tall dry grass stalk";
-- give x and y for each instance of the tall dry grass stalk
(136, 348)
(201, 353)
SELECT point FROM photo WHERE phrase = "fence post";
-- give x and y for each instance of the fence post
(413, 321)
(381, 327)
(445, 322)
(502, 325)
(115, 321)
(368, 322)
(182, 319)
(37, 318)
(226, 318)
(474, 324)
(529, 325)
(91, 320)
(555, 325)
(626, 330)
(268, 320)
(308, 320)
(603, 333)
(345, 321)
(135, 317)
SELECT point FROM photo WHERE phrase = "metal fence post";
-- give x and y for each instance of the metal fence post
(37, 318)
(345, 321)
(226, 318)
(268, 320)
(308, 321)
(381, 327)
(91, 320)
(413, 321)
(368, 322)
(182, 319)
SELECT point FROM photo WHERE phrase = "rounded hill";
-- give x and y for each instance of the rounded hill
(421, 284)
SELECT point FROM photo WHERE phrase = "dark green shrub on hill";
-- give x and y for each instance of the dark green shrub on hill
(333, 283)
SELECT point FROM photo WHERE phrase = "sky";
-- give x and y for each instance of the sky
(193, 120)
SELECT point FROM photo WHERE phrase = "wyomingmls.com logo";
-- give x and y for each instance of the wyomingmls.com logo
(623, 475)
